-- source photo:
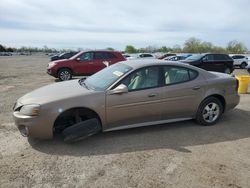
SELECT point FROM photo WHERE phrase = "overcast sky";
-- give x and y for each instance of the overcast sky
(116, 23)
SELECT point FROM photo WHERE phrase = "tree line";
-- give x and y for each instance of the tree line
(192, 45)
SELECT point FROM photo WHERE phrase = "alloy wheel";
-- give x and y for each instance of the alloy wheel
(211, 112)
(65, 75)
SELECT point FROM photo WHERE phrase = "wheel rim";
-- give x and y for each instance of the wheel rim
(211, 112)
(243, 65)
(227, 71)
(65, 75)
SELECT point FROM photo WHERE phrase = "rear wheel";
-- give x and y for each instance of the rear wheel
(227, 71)
(209, 112)
(64, 74)
(243, 65)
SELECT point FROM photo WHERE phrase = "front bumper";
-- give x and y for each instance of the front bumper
(32, 126)
(51, 72)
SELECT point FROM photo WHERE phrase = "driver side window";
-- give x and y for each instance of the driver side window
(208, 58)
(88, 56)
(142, 79)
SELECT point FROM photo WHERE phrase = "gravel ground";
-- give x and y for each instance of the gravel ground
(173, 155)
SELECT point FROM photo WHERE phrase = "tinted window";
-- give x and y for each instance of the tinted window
(238, 57)
(227, 57)
(100, 55)
(175, 75)
(88, 56)
(219, 57)
(109, 55)
(146, 55)
(142, 79)
(210, 57)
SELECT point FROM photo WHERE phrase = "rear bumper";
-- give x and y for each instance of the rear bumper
(232, 101)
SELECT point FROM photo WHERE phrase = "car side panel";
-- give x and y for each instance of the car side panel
(182, 100)
(133, 107)
(224, 87)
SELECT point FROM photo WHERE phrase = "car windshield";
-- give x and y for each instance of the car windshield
(106, 77)
(75, 55)
(195, 57)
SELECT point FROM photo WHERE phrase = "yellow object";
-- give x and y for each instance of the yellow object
(243, 83)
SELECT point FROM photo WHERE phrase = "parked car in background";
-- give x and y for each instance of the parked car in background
(5, 54)
(167, 55)
(145, 56)
(126, 56)
(248, 68)
(65, 55)
(177, 57)
(240, 61)
(211, 62)
(141, 56)
(83, 64)
(126, 95)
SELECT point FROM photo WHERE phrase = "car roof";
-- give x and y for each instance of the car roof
(99, 51)
(140, 63)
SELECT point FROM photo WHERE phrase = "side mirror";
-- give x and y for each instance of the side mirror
(78, 59)
(120, 89)
(204, 60)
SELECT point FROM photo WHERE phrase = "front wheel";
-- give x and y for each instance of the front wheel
(209, 112)
(64, 74)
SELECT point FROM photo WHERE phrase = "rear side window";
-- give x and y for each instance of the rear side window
(220, 57)
(238, 57)
(227, 57)
(146, 55)
(110, 55)
(174, 75)
(100, 55)
(104, 55)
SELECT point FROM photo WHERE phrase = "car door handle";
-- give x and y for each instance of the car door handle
(196, 88)
(152, 95)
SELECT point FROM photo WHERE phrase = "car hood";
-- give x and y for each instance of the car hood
(55, 92)
(60, 60)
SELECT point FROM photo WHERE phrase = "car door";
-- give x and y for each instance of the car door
(142, 102)
(83, 64)
(210, 62)
(100, 61)
(111, 58)
(220, 62)
(182, 92)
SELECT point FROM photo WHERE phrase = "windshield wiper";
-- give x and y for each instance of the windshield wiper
(82, 83)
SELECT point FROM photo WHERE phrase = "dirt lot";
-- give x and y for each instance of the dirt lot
(173, 155)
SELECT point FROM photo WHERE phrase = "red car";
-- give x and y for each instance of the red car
(83, 64)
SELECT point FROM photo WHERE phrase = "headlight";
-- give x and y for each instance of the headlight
(30, 110)
(51, 64)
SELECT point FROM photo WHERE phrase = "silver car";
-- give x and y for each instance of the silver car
(126, 95)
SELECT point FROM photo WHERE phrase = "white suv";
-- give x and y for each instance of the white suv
(240, 60)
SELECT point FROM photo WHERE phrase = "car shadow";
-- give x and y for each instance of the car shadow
(233, 125)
